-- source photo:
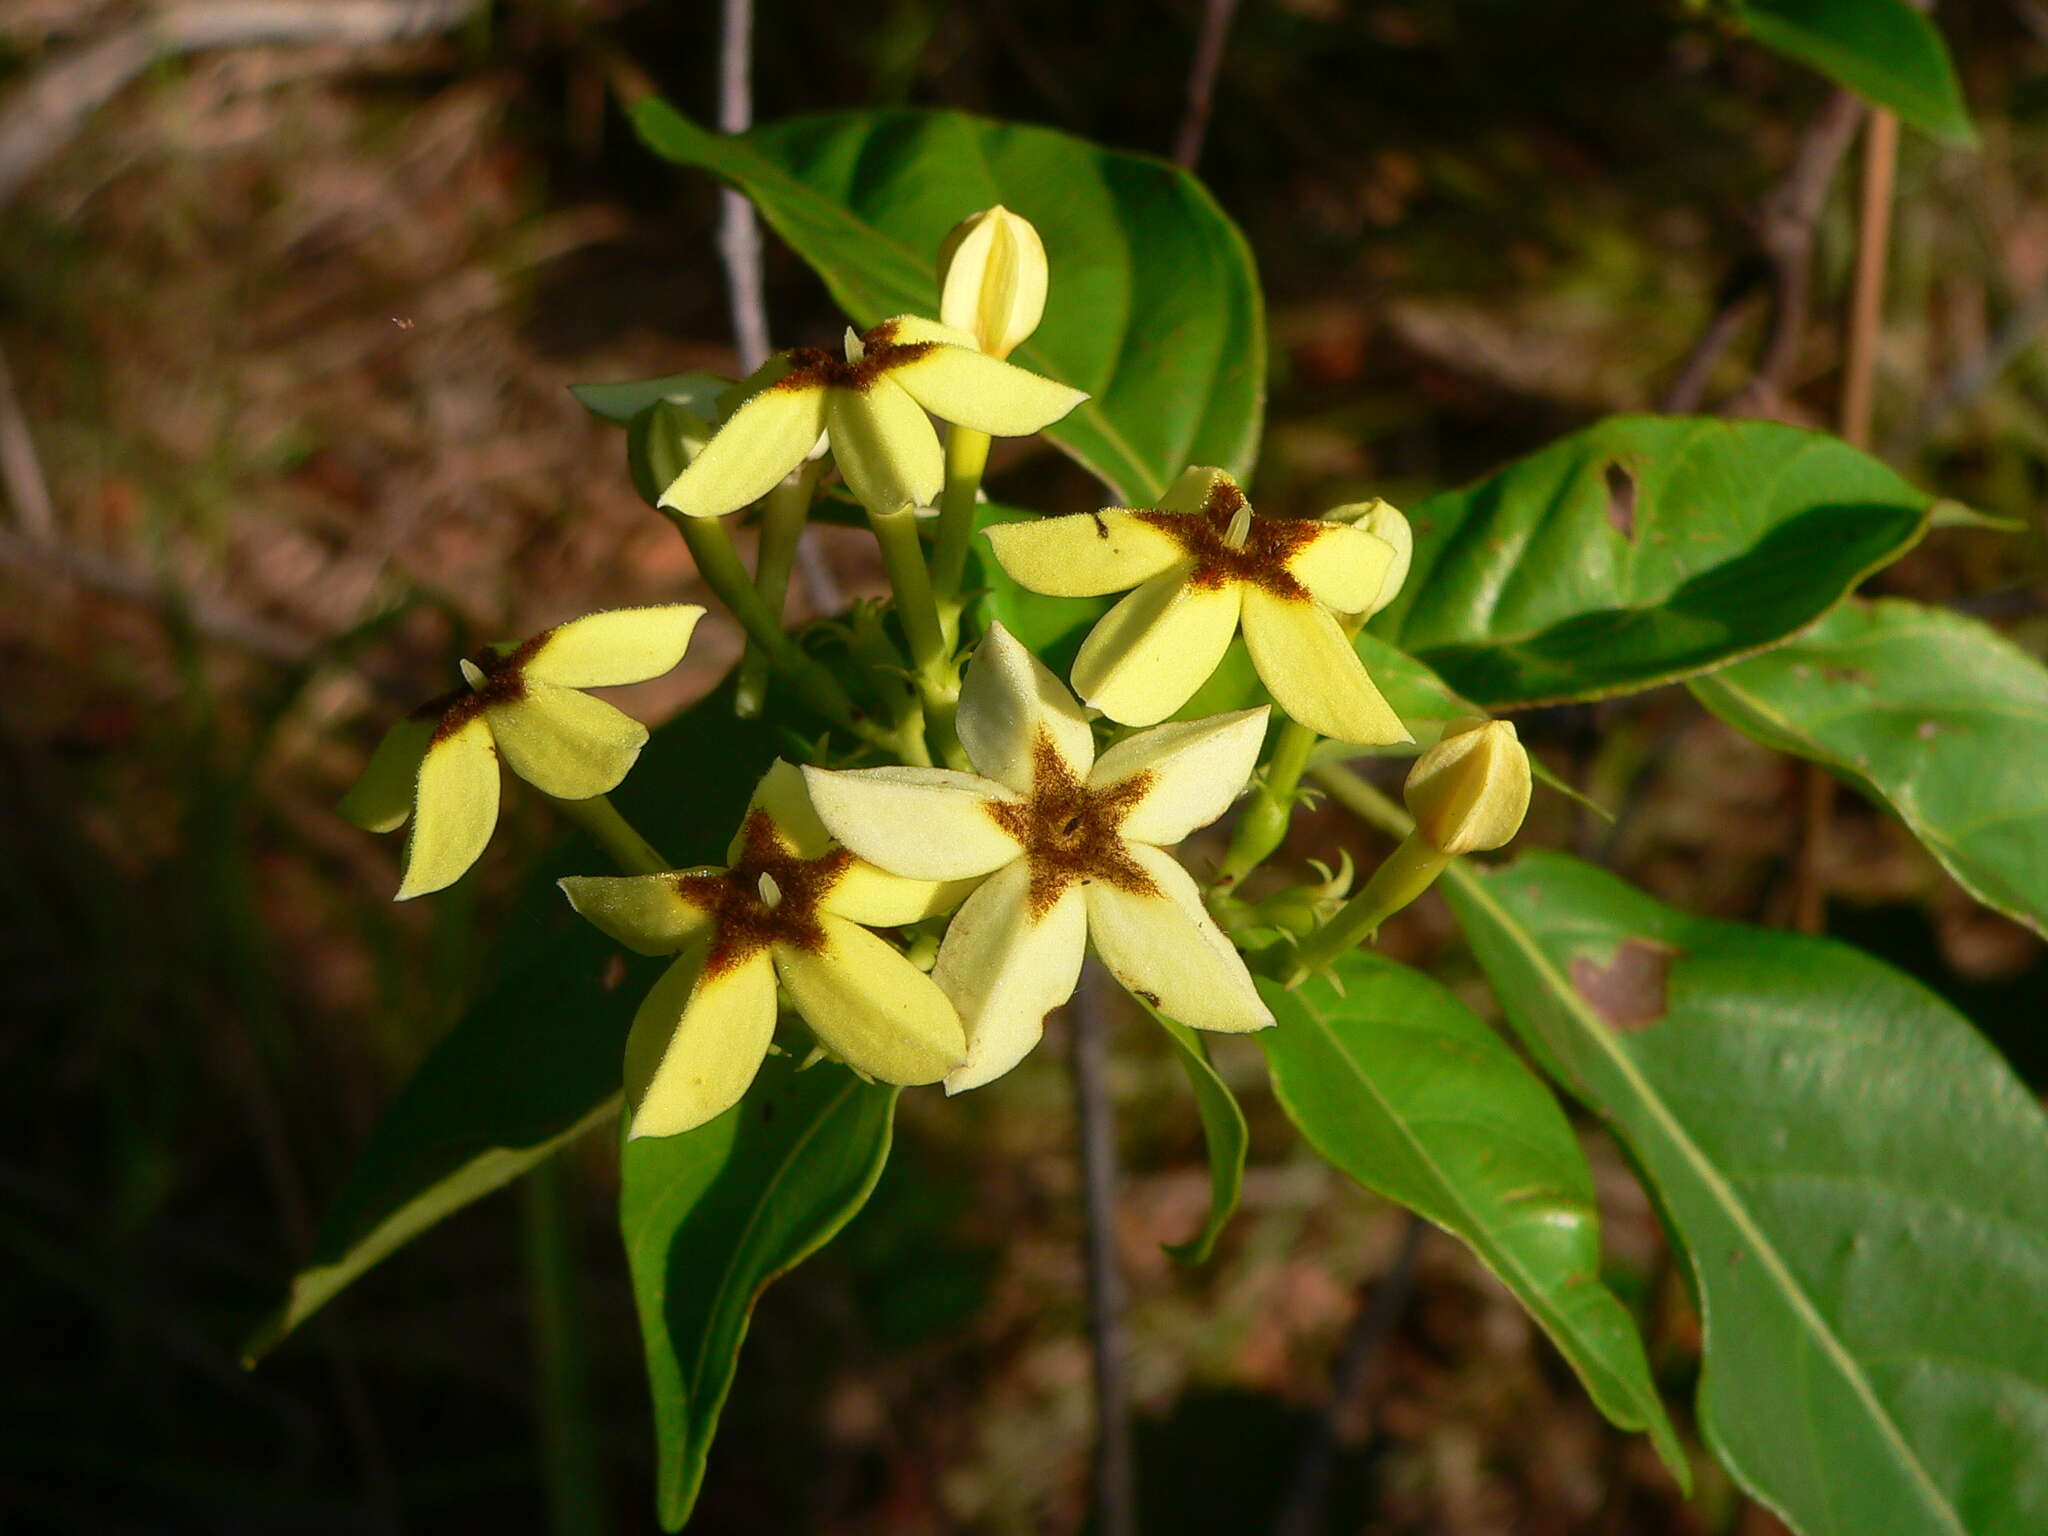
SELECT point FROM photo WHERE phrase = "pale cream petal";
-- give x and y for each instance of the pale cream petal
(871, 1007)
(1193, 769)
(1308, 665)
(782, 794)
(1084, 555)
(927, 823)
(382, 795)
(566, 743)
(1147, 655)
(767, 437)
(454, 809)
(1009, 702)
(878, 899)
(646, 913)
(971, 389)
(1006, 967)
(1343, 567)
(1165, 948)
(697, 1042)
(1190, 489)
(621, 645)
(992, 279)
(885, 447)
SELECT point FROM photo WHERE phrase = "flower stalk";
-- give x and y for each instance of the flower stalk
(783, 516)
(602, 823)
(966, 463)
(931, 663)
(1263, 826)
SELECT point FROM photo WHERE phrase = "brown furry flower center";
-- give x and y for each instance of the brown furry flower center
(1071, 833)
(749, 914)
(1260, 559)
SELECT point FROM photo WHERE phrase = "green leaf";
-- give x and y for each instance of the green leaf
(1224, 1131)
(712, 1216)
(1154, 304)
(1860, 1182)
(696, 393)
(537, 1060)
(1885, 51)
(1640, 551)
(1401, 1086)
(1929, 713)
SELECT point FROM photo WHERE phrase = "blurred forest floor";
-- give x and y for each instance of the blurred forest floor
(288, 331)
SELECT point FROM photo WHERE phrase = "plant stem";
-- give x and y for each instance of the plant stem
(569, 1452)
(604, 826)
(931, 654)
(966, 461)
(1263, 826)
(783, 516)
(1408, 871)
(1358, 797)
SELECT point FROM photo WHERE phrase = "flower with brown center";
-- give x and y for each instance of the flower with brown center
(791, 906)
(1068, 848)
(1203, 564)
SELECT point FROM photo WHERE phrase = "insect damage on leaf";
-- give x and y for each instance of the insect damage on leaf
(1629, 991)
(1621, 500)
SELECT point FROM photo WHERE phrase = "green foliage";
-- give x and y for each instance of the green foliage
(1398, 1084)
(1154, 307)
(1887, 51)
(1860, 1183)
(1640, 551)
(1224, 1131)
(1927, 712)
(712, 1216)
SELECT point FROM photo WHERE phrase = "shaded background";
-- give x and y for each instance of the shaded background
(283, 430)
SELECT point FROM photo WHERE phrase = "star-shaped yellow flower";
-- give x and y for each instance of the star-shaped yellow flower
(1068, 848)
(871, 406)
(790, 908)
(1203, 562)
(439, 765)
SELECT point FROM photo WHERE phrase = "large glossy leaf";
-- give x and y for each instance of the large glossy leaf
(1886, 51)
(1224, 1132)
(712, 1216)
(1640, 551)
(1929, 713)
(537, 1060)
(1860, 1182)
(1402, 1087)
(1154, 305)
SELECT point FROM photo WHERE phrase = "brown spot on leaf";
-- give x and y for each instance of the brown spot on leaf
(1629, 991)
(1621, 501)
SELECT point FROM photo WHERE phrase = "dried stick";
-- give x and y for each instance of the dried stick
(21, 472)
(739, 234)
(1116, 1482)
(1208, 62)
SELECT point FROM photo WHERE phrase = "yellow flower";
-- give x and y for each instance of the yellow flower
(871, 407)
(992, 279)
(791, 907)
(1203, 562)
(439, 765)
(1470, 791)
(1068, 848)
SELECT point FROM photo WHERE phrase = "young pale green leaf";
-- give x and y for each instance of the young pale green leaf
(1928, 712)
(697, 393)
(1640, 551)
(1402, 1087)
(1223, 1130)
(1860, 1182)
(1153, 306)
(1886, 51)
(712, 1216)
(537, 1060)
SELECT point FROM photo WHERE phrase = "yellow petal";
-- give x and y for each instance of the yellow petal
(874, 1009)
(697, 1042)
(621, 645)
(1470, 791)
(1147, 655)
(646, 913)
(970, 389)
(454, 810)
(1308, 666)
(1193, 770)
(1191, 488)
(927, 823)
(1383, 520)
(877, 899)
(909, 331)
(382, 795)
(1009, 702)
(566, 743)
(766, 438)
(1085, 555)
(884, 446)
(1342, 567)
(1167, 950)
(992, 279)
(781, 793)
(1006, 967)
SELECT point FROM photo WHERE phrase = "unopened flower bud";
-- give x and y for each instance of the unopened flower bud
(992, 276)
(1470, 791)
(1383, 520)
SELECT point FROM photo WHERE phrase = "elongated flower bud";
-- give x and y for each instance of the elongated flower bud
(992, 276)
(1470, 791)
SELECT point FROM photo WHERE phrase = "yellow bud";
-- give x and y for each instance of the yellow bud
(1470, 791)
(1383, 520)
(992, 276)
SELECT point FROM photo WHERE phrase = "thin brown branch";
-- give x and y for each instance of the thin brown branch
(21, 471)
(1202, 72)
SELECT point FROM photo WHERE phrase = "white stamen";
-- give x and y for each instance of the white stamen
(1240, 528)
(473, 675)
(771, 893)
